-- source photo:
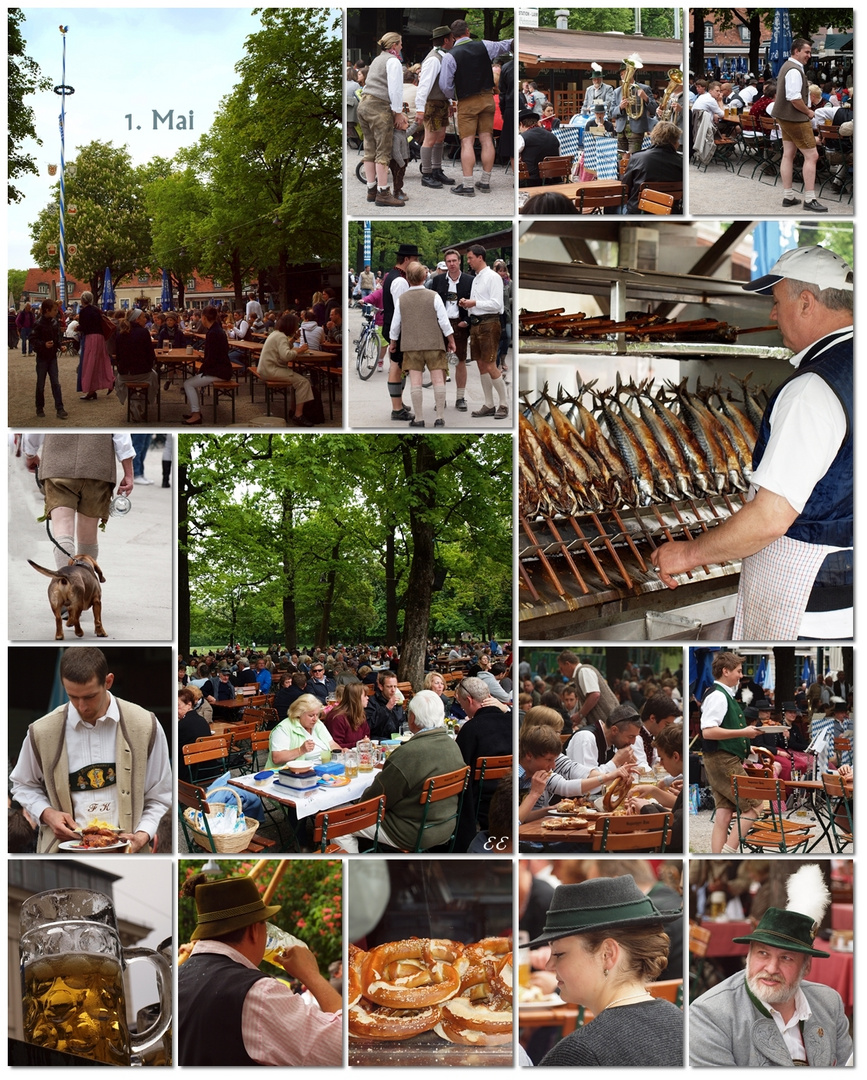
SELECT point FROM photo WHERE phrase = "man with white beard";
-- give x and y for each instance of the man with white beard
(769, 1014)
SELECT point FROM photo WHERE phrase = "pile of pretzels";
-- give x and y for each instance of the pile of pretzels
(404, 988)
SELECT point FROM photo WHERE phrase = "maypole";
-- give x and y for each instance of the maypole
(64, 91)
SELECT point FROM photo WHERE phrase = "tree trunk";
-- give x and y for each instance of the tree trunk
(179, 282)
(290, 616)
(390, 591)
(755, 42)
(328, 602)
(283, 278)
(784, 663)
(236, 278)
(696, 59)
(183, 560)
(417, 603)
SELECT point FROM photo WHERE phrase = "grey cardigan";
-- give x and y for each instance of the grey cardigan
(725, 1028)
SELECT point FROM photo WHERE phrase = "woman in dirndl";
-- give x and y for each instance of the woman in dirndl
(94, 364)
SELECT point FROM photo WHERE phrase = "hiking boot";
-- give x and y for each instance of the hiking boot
(486, 410)
(441, 176)
(431, 181)
(402, 414)
(371, 194)
(385, 198)
(461, 189)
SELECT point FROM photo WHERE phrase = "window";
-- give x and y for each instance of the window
(744, 31)
(43, 288)
(708, 31)
(191, 284)
(217, 283)
(143, 279)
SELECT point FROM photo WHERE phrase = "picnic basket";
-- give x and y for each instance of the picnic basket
(229, 844)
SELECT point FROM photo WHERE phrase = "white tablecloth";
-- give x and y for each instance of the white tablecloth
(307, 804)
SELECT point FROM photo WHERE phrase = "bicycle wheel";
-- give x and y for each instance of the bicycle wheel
(369, 355)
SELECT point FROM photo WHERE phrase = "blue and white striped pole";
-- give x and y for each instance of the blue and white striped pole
(64, 91)
(367, 244)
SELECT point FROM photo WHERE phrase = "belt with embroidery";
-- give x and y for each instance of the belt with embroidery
(93, 777)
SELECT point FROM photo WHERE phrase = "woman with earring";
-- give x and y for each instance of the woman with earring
(607, 944)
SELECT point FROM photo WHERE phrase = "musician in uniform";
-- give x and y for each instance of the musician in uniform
(633, 110)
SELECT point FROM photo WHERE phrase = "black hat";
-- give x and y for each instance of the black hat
(792, 706)
(763, 705)
(527, 117)
(407, 249)
(600, 904)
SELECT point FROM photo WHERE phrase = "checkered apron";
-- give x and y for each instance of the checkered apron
(774, 589)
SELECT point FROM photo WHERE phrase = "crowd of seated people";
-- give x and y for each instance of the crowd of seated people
(331, 700)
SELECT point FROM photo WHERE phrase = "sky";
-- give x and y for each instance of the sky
(122, 62)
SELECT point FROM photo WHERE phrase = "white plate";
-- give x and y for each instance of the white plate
(75, 847)
(550, 1002)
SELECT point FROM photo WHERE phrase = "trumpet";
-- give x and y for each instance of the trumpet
(632, 104)
(666, 109)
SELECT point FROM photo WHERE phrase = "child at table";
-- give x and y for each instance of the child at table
(652, 798)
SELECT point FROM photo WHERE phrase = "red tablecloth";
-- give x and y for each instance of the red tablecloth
(721, 934)
(841, 916)
(838, 972)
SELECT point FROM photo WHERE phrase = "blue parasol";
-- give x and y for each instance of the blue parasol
(808, 672)
(166, 302)
(762, 671)
(700, 674)
(770, 240)
(107, 291)
(780, 47)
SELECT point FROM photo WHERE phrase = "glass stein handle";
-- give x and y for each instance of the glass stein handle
(144, 1041)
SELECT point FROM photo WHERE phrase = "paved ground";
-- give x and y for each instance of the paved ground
(135, 553)
(428, 202)
(370, 405)
(721, 192)
(700, 827)
(108, 413)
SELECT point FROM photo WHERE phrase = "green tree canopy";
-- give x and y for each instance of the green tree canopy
(24, 78)
(110, 226)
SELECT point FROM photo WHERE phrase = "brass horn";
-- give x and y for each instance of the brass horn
(634, 106)
(666, 109)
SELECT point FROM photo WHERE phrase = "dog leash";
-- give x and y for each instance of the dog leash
(53, 541)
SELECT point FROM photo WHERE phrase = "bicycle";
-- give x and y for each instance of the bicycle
(367, 345)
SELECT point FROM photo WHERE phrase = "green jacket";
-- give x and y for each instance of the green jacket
(734, 720)
(428, 753)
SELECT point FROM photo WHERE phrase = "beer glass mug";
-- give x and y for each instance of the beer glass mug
(277, 942)
(72, 966)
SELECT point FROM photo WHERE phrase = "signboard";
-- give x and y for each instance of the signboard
(52, 249)
(528, 16)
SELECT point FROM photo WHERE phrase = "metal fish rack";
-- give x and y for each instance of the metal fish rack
(592, 576)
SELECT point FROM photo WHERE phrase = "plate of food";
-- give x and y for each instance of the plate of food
(562, 823)
(91, 842)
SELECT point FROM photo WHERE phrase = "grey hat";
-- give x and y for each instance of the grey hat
(135, 315)
(600, 904)
(623, 714)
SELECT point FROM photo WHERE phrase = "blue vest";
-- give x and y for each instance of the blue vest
(827, 515)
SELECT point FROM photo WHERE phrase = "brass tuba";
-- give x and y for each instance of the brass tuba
(675, 84)
(634, 106)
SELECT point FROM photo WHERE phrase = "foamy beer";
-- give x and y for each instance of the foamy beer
(72, 986)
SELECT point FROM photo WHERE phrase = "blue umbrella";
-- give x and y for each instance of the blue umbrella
(700, 674)
(770, 240)
(107, 291)
(762, 671)
(166, 302)
(780, 47)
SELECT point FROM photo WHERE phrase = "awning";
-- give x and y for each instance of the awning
(837, 43)
(545, 47)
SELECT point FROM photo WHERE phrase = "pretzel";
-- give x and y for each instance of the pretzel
(353, 977)
(389, 978)
(616, 793)
(375, 1022)
(482, 1013)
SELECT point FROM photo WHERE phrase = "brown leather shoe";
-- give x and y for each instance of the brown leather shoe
(385, 198)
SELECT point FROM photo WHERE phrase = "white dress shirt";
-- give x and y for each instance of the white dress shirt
(487, 291)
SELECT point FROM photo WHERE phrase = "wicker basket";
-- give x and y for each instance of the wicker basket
(225, 845)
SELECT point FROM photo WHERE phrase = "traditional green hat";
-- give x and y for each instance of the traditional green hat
(784, 930)
(230, 904)
(600, 904)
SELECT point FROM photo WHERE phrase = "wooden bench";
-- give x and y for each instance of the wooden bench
(273, 386)
(224, 388)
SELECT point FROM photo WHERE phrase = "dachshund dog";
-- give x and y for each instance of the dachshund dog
(76, 588)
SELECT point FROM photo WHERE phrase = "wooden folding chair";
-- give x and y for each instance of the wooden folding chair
(655, 202)
(211, 748)
(666, 990)
(191, 795)
(260, 742)
(667, 187)
(344, 820)
(839, 794)
(555, 168)
(435, 789)
(699, 940)
(770, 831)
(494, 767)
(634, 832)
(597, 200)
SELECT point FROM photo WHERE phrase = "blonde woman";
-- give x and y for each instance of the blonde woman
(301, 734)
